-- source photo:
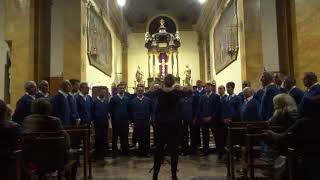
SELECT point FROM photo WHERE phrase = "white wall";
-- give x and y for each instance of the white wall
(188, 55)
(2, 50)
(56, 51)
(269, 35)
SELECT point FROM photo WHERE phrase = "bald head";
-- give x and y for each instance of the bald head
(30, 87)
(266, 78)
(65, 86)
(247, 92)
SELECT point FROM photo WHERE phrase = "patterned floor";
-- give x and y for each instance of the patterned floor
(133, 168)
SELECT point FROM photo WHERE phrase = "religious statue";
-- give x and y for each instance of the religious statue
(177, 36)
(187, 76)
(147, 37)
(139, 75)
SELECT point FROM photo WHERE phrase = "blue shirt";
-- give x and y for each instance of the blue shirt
(100, 110)
(250, 110)
(84, 104)
(266, 108)
(232, 110)
(23, 108)
(140, 109)
(61, 108)
(313, 91)
(187, 108)
(119, 109)
(209, 106)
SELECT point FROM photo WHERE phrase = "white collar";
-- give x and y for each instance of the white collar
(101, 99)
(32, 96)
(63, 93)
(208, 95)
(44, 94)
(268, 85)
(291, 89)
(199, 90)
(248, 99)
(232, 95)
(313, 86)
(120, 96)
(140, 98)
(222, 95)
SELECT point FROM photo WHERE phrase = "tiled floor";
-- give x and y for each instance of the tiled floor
(134, 168)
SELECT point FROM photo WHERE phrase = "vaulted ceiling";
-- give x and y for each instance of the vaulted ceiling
(139, 12)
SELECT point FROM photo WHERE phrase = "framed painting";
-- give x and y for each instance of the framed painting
(226, 38)
(99, 42)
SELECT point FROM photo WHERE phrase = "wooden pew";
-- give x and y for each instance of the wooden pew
(236, 137)
(83, 132)
(10, 150)
(48, 152)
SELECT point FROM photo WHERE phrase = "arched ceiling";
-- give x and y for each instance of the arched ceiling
(139, 12)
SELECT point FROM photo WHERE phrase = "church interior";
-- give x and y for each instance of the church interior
(108, 44)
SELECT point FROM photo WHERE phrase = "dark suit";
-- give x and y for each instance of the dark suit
(140, 112)
(84, 104)
(73, 108)
(209, 106)
(250, 110)
(197, 94)
(61, 108)
(23, 109)
(241, 96)
(313, 91)
(100, 115)
(233, 105)
(120, 122)
(187, 110)
(258, 95)
(266, 108)
(296, 94)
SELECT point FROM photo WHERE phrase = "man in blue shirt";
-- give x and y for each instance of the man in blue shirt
(233, 103)
(187, 110)
(289, 84)
(84, 103)
(197, 93)
(250, 107)
(23, 107)
(222, 93)
(270, 91)
(140, 108)
(100, 116)
(209, 113)
(61, 105)
(310, 81)
(244, 85)
(120, 121)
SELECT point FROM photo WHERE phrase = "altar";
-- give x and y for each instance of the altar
(163, 54)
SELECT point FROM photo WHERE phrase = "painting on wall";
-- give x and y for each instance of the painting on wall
(99, 42)
(226, 38)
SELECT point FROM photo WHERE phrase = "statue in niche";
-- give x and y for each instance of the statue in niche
(187, 76)
(139, 75)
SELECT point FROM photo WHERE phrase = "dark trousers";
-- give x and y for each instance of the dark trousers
(189, 132)
(218, 131)
(142, 127)
(167, 134)
(101, 138)
(134, 136)
(120, 131)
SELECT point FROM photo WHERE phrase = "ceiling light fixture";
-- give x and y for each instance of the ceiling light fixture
(121, 3)
(202, 1)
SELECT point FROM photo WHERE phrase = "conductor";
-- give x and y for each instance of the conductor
(167, 126)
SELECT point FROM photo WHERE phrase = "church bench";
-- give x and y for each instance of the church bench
(46, 152)
(83, 133)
